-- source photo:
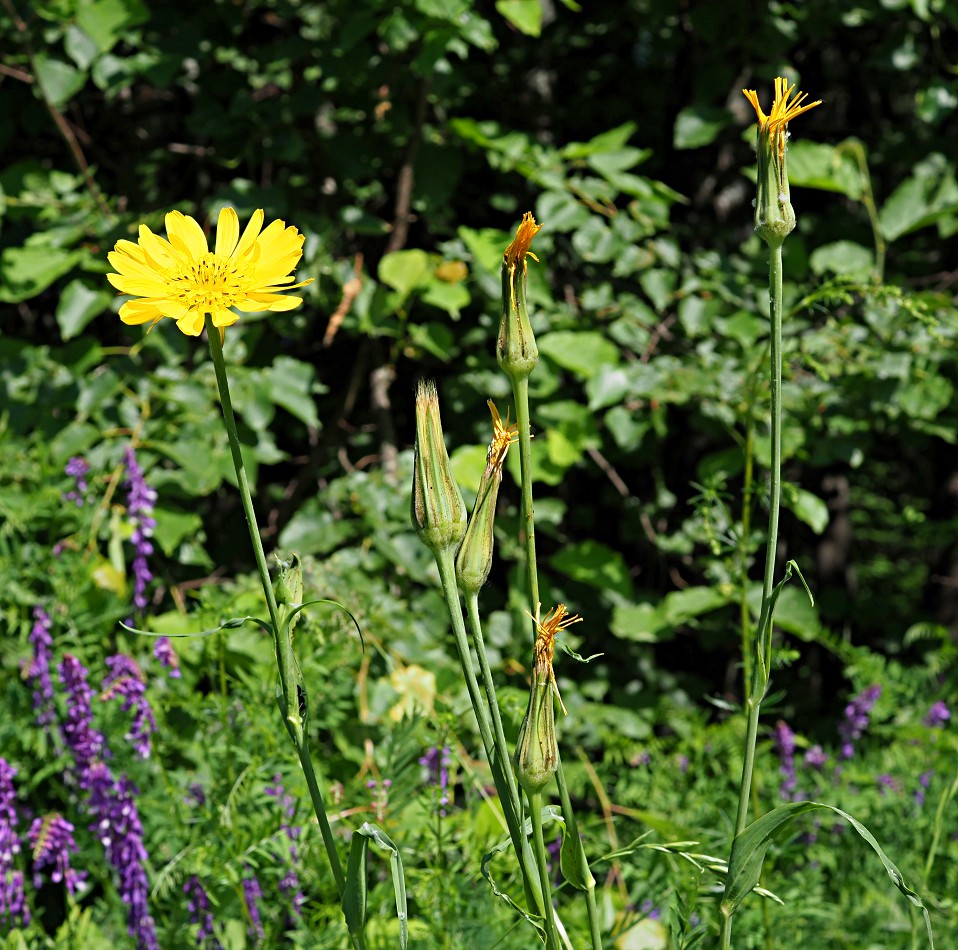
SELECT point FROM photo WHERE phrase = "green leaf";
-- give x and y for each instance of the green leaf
(592, 563)
(79, 304)
(27, 271)
(105, 21)
(696, 126)
(750, 847)
(405, 270)
(355, 894)
(843, 257)
(524, 15)
(58, 81)
(584, 352)
(930, 195)
(806, 506)
(827, 167)
(292, 383)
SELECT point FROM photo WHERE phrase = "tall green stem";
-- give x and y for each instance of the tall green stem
(763, 639)
(535, 814)
(520, 393)
(289, 688)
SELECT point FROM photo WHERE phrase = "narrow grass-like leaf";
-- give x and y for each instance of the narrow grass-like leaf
(484, 868)
(750, 847)
(355, 892)
(231, 624)
(379, 837)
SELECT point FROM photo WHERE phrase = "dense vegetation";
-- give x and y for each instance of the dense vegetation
(405, 140)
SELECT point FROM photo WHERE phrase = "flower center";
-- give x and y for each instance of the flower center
(209, 282)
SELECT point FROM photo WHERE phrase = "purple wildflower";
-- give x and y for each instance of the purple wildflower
(643, 758)
(785, 746)
(289, 884)
(199, 907)
(39, 669)
(857, 719)
(77, 468)
(938, 715)
(117, 823)
(139, 507)
(164, 652)
(437, 762)
(924, 780)
(13, 904)
(251, 894)
(78, 733)
(126, 680)
(648, 908)
(815, 758)
(52, 841)
(886, 783)
(683, 764)
(111, 803)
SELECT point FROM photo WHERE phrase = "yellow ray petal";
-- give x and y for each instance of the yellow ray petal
(227, 232)
(186, 235)
(250, 233)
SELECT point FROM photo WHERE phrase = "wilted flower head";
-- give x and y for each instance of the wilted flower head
(537, 751)
(774, 216)
(516, 348)
(438, 510)
(181, 278)
(474, 560)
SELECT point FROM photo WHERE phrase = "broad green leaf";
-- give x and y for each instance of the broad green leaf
(292, 383)
(313, 529)
(696, 126)
(405, 270)
(681, 606)
(843, 257)
(79, 304)
(827, 167)
(806, 506)
(27, 271)
(524, 15)
(928, 196)
(105, 21)
(750, 847)
(592, 563)
(583, 352)
(641, 623)
(59, 81)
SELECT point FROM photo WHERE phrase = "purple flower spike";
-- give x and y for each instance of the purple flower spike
(857, 719)
(815, 758)
(938, 715)
(252, 893)
(289, 884)
(785, 746)
(77, 468)
(39, 669)
(199, 908)
(13, 905)
(126, 680)
(140, 502)
(437, 762)
(78, 733)
(52, 841)
(164, 652)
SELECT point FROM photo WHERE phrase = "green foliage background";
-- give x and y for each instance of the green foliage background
(405, 139)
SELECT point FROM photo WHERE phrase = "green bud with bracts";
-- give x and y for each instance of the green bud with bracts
(774, 215)
(474, 560)
(516, 348)
(438, 510)
(537, 751)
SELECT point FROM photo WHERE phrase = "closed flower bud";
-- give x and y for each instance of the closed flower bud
(537, 751)
(774, 215)
(516, 349)
(438, 511)
(288, 590)
(474, 560)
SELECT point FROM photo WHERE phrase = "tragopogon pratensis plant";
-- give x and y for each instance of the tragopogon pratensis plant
(179, 277)
(774, 221)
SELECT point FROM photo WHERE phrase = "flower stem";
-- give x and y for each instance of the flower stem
(520, 394)
(763, 636)
(535, 814)
(289, 692)
(498, 760)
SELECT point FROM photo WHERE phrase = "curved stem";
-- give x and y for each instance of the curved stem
(763, 638)
(289, 698)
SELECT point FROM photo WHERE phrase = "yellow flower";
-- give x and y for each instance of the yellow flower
(516, 348)
(785, 107)
(503, 435)
(520, 245)
(774, 215)
(180, 278)
(544, 649)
